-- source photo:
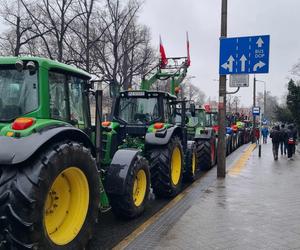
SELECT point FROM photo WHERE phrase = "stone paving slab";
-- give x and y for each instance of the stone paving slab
(258, 208)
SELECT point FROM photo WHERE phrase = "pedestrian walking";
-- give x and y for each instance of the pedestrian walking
(265, 133)
(284, 140)
(291, 141)
(276, 137)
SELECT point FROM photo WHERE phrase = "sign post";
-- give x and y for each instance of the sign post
(221, 167)
(238, 55)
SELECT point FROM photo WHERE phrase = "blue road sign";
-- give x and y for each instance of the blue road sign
(256, 110)
(244, 55)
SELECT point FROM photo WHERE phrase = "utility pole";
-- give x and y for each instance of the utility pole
(221, 169)
(254, 104)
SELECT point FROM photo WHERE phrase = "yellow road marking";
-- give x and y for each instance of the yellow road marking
(241, 162)
(233, 171)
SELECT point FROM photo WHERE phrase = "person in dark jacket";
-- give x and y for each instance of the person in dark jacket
(284, 140)
(291, 141)
(276, 137)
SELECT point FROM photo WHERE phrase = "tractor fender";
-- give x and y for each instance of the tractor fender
(153, 139)
(17, 150)
(117, 173)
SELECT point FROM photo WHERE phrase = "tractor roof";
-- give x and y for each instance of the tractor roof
(44, 62)
(146, 93)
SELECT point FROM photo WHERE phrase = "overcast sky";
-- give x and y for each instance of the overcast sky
(201, 18)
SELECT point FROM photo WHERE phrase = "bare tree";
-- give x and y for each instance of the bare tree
(19, 33)
(124, 50)
(271, 104)
(55, 17)
(193, 93)
(82, 36)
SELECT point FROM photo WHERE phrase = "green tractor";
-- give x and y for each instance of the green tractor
(51, 177)
(149, 122)
(202, 137)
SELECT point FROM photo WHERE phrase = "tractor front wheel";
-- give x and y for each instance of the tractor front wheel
(206, 154)
(52, 202)
(191, 166)
(132, 202)
(166, 169)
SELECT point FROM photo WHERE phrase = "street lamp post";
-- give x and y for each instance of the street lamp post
(259, 145)
(265, 96)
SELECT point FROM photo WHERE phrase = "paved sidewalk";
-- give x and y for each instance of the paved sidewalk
(257, 206)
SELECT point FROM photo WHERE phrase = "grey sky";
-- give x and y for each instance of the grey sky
(201, 18)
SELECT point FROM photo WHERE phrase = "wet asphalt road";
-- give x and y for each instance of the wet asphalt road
(111, 230)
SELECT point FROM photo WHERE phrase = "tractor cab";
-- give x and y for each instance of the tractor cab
(137, 111)
(196, 122)
(44, 92)
(18, 92)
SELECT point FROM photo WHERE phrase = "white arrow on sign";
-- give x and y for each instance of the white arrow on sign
(243, 60)
(260, 42)
(260, 64)
(229, 64)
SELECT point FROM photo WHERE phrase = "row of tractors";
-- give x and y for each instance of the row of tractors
(58, 171)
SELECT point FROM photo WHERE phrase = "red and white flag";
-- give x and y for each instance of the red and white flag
(188, 49)
(163, 57)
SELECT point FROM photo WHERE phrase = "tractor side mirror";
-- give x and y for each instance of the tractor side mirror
(193, 109)
(94, 84)
(90, 85)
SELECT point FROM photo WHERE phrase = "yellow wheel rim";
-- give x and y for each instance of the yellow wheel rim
(176, 166)
(194, 163)
(66, 206)
(139, 187)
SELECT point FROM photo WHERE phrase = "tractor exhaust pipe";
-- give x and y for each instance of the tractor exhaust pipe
(98, 123)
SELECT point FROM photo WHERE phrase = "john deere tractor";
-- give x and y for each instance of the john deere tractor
(50, 157)
(203, 136)
(149, 122)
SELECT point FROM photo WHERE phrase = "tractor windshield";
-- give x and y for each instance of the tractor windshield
(137, 110)
(201, 117)
(211, 119)
(18, 92)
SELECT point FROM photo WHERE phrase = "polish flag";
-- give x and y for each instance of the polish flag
(188, 49)
(163, 57)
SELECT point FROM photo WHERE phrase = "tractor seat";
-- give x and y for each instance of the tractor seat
(142, 117)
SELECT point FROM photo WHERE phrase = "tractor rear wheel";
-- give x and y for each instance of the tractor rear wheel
(166, 169)
(206, 154)
(51, 202)
(132, 203)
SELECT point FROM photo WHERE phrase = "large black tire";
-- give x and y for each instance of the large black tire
(25, 192)
(125, 205)
(234, 142)
(206, 154)
(191, 166)
(228, 144)
(161, 169)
